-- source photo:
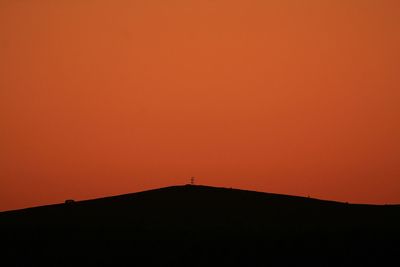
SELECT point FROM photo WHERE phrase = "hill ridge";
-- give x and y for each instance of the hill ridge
(210, 226)
(184, 186)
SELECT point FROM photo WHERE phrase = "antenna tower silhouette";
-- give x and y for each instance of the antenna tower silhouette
(191, 180)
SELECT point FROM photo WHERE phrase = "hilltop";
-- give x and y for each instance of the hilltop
(201, 226)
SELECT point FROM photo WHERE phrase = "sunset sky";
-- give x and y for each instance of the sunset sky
(100, 98)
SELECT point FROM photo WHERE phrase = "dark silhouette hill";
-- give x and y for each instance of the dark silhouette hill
(201, 226)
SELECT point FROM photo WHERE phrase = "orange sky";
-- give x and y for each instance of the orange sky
(108, 97)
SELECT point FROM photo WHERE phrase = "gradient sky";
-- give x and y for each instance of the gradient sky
(100, 97)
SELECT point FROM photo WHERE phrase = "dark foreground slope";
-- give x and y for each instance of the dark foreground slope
(201, 226)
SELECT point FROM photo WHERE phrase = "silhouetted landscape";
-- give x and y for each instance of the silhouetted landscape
(201, 226)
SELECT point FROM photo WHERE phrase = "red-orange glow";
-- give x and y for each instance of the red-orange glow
(109, 97)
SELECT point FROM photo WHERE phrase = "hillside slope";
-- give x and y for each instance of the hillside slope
(201, 226)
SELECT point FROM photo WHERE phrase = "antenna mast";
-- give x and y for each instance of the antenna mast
(192, 180)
